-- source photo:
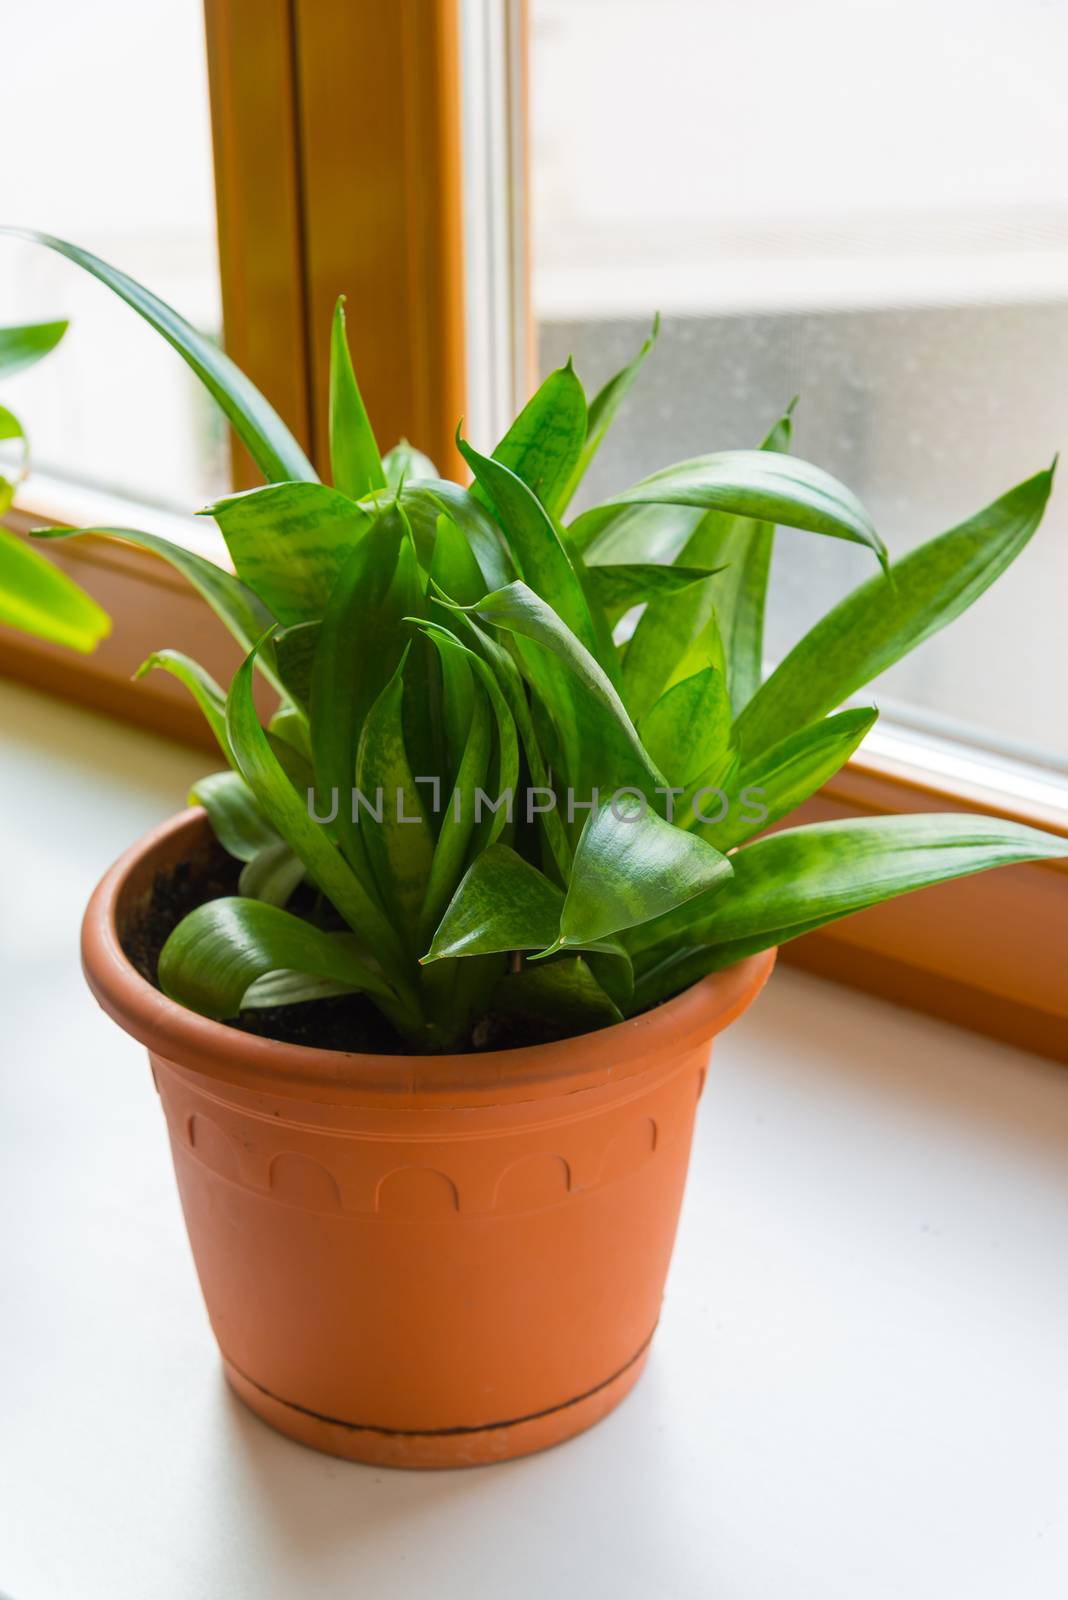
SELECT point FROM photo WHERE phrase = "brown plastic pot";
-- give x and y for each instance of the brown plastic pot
(421, 1261)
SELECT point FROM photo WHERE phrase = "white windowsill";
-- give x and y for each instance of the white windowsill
(857, 1387)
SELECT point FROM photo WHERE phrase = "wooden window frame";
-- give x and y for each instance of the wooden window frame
(332, 179)
(300, 141)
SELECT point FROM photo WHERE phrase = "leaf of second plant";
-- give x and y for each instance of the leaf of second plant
(37, 598)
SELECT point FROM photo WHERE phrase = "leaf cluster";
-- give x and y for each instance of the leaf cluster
(436, 648)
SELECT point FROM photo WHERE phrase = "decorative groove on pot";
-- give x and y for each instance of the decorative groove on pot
(297, 1180)
(417, 1192)
(348, 1171)
(628, 1148)
(531, 1182)
(212, 1146)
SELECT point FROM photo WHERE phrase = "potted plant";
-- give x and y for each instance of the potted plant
(428, 976)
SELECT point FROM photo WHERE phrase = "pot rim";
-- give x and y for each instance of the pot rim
(187, 1039)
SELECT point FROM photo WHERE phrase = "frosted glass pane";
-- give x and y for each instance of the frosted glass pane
(865, 204)
(112, 148)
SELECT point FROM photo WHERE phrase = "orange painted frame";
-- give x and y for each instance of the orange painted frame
(987, 952)
(382, 211)
(338, 172)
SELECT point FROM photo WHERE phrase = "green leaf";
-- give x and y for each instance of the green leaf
(294, 654)
(564, 991)
(457, 708)
(672, 968)
(536, 547)
(688, 728)
(291, 727)
(450, 691)
(670, 643)
(424, 730)
(238, 609)
(602, 411)
(236, 819)
(544, 445)
(287, 988)
(502, 904)
(601, 743)
(424, 504)
(739, 595)
(293, 762)
(606, 652)
(765, 486)
(501, 679)
(458, 818)
(880, 622)
(632, 866)
(511, 685)
(393, 825)
(37, 598)
(201, 685)
(361, 643)
(620, 586)
(354, 460)
(779, 779)
(611, 965)
(219, 950)
(791, 882)
(287, 812)
(23, 345)
(743, 548)
(453, 568)
(11, 428)
(271, 875)
(405, 464)
(449, 645)
(624, 535)
(289, 542)
(268, 440)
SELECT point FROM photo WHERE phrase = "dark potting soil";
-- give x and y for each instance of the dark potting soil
(343, 1022)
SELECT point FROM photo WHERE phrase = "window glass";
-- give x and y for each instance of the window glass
(863, 202)
(110, 145)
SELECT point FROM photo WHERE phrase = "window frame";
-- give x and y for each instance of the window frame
(298, 147)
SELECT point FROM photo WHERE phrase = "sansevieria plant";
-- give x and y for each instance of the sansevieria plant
(487, 792)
